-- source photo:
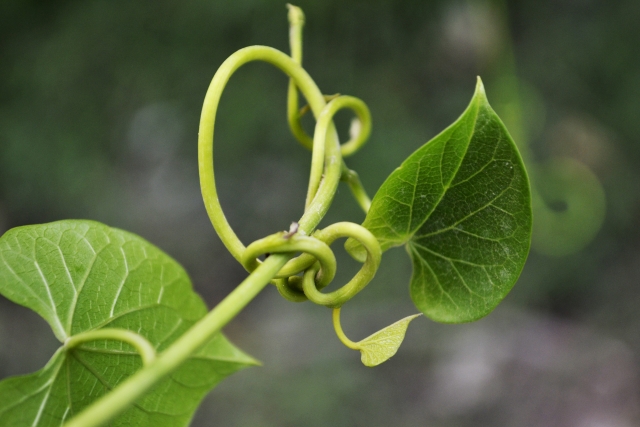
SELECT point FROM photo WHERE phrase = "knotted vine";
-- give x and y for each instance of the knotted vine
(303, 277)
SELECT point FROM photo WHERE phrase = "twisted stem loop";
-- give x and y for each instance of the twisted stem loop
(337, 298)
(317, 263)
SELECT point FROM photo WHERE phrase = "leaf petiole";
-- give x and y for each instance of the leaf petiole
(340, 333)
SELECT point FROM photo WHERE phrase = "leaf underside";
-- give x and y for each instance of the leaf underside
(462, 206)
(81, 276)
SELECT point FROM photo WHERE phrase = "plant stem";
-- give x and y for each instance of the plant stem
(325, 120)
(140, 343)
(115, 402)
(120, 398)
(368, 270)
(296, 23)
(357, 189)
(340, 333)
(205, 141)
(276, 243)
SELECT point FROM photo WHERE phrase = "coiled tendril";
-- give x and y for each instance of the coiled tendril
(304, 276)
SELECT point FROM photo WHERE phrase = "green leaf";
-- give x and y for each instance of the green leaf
(461, 203)
(82, 276)
(380, 346)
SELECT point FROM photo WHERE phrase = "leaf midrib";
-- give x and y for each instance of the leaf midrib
(446, 186)
(74, 302)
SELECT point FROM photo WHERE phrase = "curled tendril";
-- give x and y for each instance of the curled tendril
(279, 243)
(337, 298)
(317, 263)
(320, 136)
(294, 114)
(138, 342)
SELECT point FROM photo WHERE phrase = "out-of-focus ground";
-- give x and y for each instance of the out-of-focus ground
(99, 109)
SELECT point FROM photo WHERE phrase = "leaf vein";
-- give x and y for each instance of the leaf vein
(99, 377)
(47, 287)
(122, 282)
(435, 276)
(464, 282)
(32, 292)
(480, 209)
(462, 261)
(74, 302)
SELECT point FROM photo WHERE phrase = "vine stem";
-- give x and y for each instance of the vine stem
(340, 333)
(315, 250)
(333, 159)
(368, 270)
(296, 23)
(120, 398)
(352, 179)
(320, 135)
(115, 402)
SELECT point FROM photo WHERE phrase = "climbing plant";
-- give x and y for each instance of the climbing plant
(138, 346)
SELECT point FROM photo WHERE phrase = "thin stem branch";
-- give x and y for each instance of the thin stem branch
(205, 139)
(340, 333)
(357, 189)
(296, 23)
(140, 343)
(366, 273)
(325, 121)
(278, 243)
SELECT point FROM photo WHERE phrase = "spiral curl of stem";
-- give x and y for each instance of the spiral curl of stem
(317, 263)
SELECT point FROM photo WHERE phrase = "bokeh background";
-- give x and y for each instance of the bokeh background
(99, 110)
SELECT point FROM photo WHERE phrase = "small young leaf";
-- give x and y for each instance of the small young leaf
(81, 276)
(461, 203)
(380, 346)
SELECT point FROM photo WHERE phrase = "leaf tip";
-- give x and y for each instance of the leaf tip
(247, 360)
(480, 92)
(255, 362)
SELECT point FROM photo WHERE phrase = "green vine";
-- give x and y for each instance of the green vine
(317, 264)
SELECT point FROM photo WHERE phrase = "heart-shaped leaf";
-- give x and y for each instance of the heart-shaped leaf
(461, 203)
(82, 276)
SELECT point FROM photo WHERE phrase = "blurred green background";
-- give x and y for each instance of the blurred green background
(99, 110)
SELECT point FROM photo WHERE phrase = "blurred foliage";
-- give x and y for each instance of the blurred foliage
(100, 100)
(568, 199)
